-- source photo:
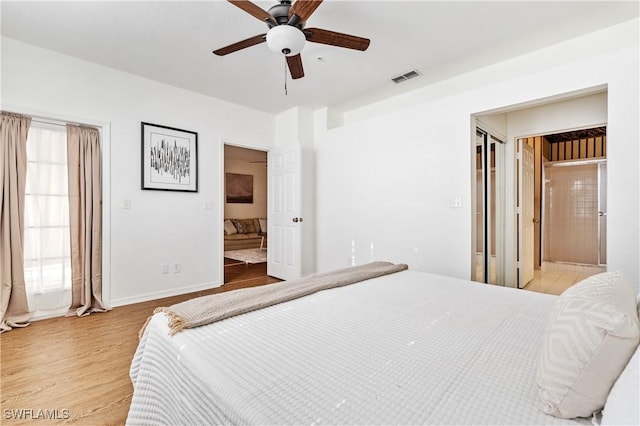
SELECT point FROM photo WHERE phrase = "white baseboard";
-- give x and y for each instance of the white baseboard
(42, 315)
(161, 294)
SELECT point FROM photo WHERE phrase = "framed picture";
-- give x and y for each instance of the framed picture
(239, 188)
(169, 158)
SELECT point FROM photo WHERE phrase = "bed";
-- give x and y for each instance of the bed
(405, 348)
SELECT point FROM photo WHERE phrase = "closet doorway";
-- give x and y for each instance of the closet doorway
(489, 207)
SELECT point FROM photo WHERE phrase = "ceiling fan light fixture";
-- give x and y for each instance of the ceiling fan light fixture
(285, 40)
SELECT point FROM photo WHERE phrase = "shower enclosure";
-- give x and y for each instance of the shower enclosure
(575, 212)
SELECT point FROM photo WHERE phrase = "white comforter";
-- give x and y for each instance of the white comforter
(408, 348)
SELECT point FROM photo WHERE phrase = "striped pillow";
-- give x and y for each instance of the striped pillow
(591, 333)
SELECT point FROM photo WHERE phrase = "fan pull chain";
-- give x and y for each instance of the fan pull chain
(285, 76)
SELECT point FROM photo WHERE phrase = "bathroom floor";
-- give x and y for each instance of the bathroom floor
(554, 278)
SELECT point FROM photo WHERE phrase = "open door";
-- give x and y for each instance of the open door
(526, 211)
(284, 213)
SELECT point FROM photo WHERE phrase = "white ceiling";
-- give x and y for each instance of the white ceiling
(172, 42)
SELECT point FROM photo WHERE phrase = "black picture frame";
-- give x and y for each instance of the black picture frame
(169, 158)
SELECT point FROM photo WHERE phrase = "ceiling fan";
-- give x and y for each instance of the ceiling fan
(287, 33)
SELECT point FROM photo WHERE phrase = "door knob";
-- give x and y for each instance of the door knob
(536, 220)
(295, 219)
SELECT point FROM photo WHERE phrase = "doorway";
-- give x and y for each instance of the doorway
(546, 120)
(245, 195)
(569, 208)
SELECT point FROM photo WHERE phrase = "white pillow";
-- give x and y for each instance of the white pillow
(591, 333)
(229, 227)
(623, 404)
(263, 225)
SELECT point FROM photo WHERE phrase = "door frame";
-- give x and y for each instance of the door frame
(510, 191)
(222, 198)
(511, 258)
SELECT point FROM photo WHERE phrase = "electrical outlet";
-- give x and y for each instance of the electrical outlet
(177, 268)
(164, 268)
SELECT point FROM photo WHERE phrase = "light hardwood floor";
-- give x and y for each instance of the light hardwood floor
(78, 368)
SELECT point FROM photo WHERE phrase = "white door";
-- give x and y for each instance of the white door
(284, 213)
(526, 212)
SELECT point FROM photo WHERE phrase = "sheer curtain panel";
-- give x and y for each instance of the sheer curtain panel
(85, 219)
(14, 309)
(47, 254)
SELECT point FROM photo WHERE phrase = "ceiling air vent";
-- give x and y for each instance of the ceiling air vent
(406, 76)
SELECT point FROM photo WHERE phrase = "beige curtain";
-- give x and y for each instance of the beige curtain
(85, 219)
(14, 310)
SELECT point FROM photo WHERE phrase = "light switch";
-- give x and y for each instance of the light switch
(126, 203)
(455, 203)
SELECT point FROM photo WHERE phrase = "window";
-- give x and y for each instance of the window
(46, 246)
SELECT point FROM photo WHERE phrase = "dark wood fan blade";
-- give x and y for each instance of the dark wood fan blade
(254, 10)
(304, 8)
(252, 41)
(318, 35)
(295, 66)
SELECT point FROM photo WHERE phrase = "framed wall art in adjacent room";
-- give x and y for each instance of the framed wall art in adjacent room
(169, 158)
(239, 188)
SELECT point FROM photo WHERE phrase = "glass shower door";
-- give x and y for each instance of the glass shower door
(575, 215)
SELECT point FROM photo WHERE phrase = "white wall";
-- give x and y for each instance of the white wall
(386, 178)
(161, 226)
(575, 113)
